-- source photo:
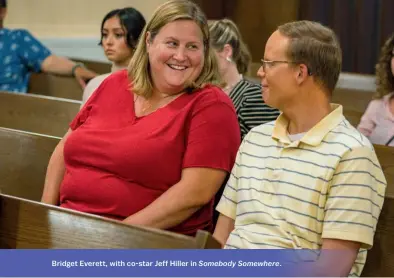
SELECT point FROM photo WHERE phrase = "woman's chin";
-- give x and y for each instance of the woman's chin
(175, 87)
(112, 58)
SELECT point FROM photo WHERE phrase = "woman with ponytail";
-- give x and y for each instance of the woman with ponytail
(233, 59)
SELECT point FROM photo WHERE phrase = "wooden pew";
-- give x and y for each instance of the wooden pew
(55, 86)
(27, 224)
(24, 157)
(96, 66)
(39, 114)
(386, 159)
(63, 86)
(354, 103)
(380, 259)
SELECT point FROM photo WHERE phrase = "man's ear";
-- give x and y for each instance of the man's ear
(302, 73)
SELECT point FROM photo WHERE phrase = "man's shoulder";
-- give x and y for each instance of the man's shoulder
(17, 36)
(266, 127)
(261, 133)
(348, 135)
(15, 32)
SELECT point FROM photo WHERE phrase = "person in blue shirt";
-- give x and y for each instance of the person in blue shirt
(21, 53)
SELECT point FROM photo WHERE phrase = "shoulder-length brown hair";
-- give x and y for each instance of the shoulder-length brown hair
(384, 75)
(139, 69)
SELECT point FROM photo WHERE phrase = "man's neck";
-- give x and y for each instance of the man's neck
(305, 113)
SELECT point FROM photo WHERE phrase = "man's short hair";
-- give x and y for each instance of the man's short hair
(3, 3)
(317, 47)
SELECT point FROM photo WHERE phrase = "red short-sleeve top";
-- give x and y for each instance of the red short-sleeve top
(117, 163)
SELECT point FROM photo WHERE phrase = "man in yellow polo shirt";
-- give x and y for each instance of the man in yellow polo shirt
(309, 180)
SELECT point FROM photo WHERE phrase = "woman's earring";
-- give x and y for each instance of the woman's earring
(228, 59)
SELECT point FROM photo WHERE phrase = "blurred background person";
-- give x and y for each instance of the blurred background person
(377, 122)
(234, 59)
(21, 53)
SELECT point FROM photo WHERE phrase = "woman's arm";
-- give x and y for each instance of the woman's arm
(211, 146)
(55, 174)
(223, 229)
(368, 120)
(196, 188)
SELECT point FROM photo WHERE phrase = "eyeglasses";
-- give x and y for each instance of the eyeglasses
(269, 64)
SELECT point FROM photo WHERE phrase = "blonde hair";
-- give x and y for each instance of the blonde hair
(317, 47)
(224, 32)
(384, 75)
(139, 69)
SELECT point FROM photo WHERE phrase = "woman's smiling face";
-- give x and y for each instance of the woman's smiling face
(176, 55)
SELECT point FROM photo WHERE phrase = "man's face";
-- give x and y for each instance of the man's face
(277, 77)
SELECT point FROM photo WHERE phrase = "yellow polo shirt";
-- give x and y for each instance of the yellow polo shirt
(285, 194)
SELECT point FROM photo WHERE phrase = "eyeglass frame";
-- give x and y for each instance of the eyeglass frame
(264, 64)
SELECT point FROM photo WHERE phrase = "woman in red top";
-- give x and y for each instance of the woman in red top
(153, 144)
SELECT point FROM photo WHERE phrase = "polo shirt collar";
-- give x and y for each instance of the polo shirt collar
(316, 134)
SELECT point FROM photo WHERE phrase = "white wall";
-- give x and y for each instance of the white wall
(68, 18)
(70, 27)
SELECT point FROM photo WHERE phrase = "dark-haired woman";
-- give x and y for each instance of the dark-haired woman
(120, 30)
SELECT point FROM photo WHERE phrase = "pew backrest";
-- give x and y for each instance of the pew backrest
(26, 224)
(64, 86)
(55, 86)
(385, 156)
(380, 259)
(96, 66)
(354, 103)
(24, 158)
(39, 114)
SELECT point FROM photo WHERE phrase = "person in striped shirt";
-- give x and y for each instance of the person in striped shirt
(233, 59)
(309, 180)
